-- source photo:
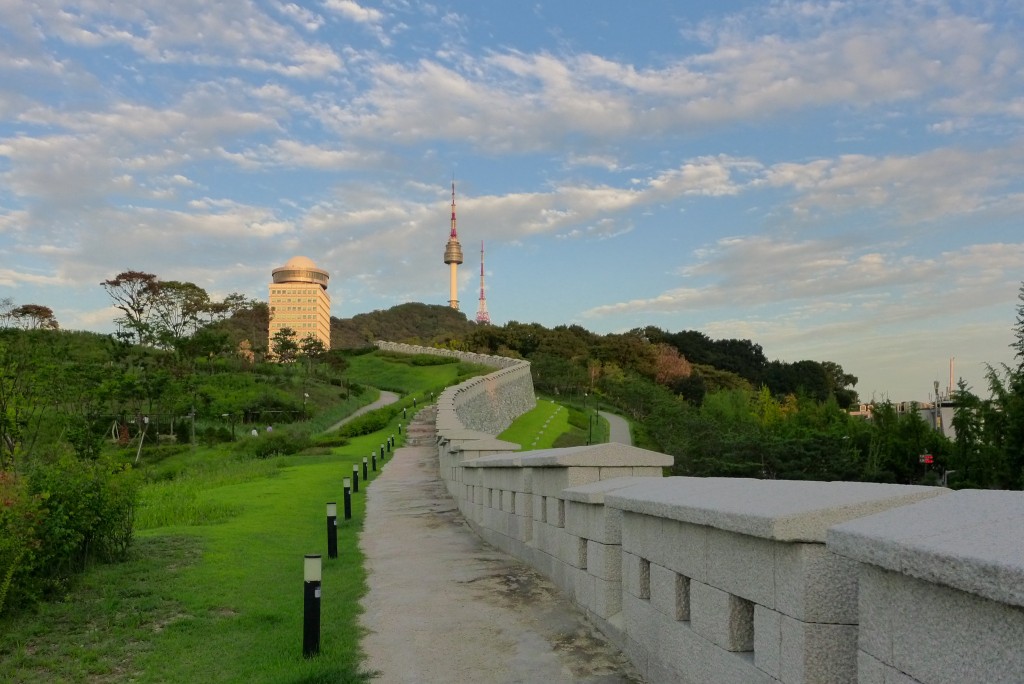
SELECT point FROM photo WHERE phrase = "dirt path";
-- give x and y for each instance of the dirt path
(443, 606)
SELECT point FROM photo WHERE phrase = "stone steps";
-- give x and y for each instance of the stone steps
(421, 430)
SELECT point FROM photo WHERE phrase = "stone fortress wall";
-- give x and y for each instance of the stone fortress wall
(745, 581)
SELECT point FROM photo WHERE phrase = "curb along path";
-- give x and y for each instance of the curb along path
(444, 606)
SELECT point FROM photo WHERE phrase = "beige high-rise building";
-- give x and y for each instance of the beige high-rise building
(299, 300)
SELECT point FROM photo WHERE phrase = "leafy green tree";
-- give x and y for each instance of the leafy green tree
(312, 349)
(134, 293)
(177, 311)
(283, 345)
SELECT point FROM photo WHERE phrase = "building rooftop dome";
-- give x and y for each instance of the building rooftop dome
(300, 269)
(300, 262)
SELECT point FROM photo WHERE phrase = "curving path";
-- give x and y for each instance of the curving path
(618, 428)
(384, 399)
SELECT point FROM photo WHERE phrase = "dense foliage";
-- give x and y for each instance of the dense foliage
(79, 411)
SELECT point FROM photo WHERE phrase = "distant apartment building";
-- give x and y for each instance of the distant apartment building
(299, 300)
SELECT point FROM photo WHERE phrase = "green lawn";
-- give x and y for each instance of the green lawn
(212, 591)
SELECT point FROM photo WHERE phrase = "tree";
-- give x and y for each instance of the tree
(177, 310)
(34, 317)
(283, 345)
(312, 349)
(134, 293)
(1018, 331)
(669, 365)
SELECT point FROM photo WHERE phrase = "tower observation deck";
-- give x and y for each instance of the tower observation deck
(453, 257)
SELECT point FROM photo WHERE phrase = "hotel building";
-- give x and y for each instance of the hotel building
(299, 300)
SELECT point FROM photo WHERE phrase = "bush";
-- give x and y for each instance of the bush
(58, 519)
(278, 443)
(368, 423)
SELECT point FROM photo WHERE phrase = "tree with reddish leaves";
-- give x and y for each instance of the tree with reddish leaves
(34, 317)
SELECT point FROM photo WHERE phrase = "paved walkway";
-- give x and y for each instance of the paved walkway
(385, 399)
(618, 428)
(445, 607)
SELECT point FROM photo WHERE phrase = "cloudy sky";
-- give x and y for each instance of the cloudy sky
(833, 180)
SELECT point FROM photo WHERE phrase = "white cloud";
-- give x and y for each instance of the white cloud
(354, 11)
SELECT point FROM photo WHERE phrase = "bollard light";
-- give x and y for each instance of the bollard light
(332, 530)
(399, 428)
(366, 476)
(389, 445)
(382, 451)
(348, 498)
(373, 461)
(311, 575)
(355, 478)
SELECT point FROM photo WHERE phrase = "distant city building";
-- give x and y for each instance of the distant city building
(299, 300)
(453, 257)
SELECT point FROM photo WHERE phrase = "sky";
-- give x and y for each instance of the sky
(839, 181)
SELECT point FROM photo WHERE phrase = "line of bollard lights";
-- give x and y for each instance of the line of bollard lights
(312, 569)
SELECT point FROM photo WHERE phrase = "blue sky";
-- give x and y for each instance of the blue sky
(834, 180)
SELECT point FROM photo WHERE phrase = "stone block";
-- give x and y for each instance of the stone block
(722, 618)
(508, 500)
(522, 504)
(768, 640)
(555, 515)
(612, 473)
(869, 670)
(607, 597)
(604, 560)
(971, 540)
(551, 481)
(736, 668)
(942, 635)
(684, 549)
(818, 652)
(742, 565)
(593, 521)
(539, 504)
(573, 549)
(646, 471)
(545, 539)
(670, 593)
(642, 535)
(815, 585)
(783, 510)
(636, 576)
(874, 612)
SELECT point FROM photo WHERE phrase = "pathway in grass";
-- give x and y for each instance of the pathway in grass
(443, 606)
(385, 399)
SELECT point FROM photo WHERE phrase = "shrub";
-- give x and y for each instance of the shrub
(368, 423)
(278, 443)
(61, 516)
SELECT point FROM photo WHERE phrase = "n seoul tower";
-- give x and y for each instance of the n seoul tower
(453, 257)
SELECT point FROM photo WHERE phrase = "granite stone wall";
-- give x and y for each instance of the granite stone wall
(742, 581)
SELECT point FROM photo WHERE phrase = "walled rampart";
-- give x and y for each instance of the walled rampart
(746, 581)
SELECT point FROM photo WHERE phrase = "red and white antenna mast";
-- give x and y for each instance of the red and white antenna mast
(481, 313)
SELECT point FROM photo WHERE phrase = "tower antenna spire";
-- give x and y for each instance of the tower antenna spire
(481, 313)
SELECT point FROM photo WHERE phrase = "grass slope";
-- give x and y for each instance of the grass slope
(212, 591)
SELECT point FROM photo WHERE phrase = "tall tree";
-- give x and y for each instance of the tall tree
(177, 310)
(283, 345)
(134, 292)
(34, 317)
